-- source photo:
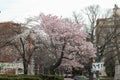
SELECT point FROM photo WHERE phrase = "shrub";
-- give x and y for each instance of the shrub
(107, 79)
(52, 77)
(31, 77)
(19, 77)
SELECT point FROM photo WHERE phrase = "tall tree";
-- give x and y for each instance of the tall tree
(92, 13)
(67, 41)
(11, 37)
(78, 18)
(26, 43)
(19, 38)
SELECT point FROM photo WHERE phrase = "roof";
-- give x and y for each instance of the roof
(7, 31)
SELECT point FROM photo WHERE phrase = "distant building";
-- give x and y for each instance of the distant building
(11, 67)
(8, 59)
(108, 38)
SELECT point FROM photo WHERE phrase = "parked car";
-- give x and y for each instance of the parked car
(80, 77)
(68, 77)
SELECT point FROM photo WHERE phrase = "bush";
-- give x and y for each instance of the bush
(52, 77)
(107, 79)
(19, 77)
(31, 77)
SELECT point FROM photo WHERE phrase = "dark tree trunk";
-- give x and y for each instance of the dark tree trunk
(25, 63)
(53, 67)
(90, 73)
(57, 64)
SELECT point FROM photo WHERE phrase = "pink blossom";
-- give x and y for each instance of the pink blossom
(69, 34)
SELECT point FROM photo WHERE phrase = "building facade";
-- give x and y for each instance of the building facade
(108, 40)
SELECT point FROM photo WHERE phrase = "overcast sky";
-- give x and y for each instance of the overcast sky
(18, 10)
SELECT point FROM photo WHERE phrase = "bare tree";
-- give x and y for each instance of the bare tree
(19, 37)
(92, 13)
(10, 34)
(78, 18)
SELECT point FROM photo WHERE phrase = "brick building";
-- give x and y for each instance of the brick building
(9, 63)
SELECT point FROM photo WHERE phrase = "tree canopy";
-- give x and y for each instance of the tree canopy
(67, 41)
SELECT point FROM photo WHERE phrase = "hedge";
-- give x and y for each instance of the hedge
(107, 79)
(31, 77)
(19, 77)
(52, 77)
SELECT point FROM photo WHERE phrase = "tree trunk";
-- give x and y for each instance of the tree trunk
(31, 67)
(53, 67)
(90, 75)
(117, 70)
(89, 70)
(57, 64)
(25, 65)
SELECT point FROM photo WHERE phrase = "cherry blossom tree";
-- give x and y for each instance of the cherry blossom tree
(67, 42)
